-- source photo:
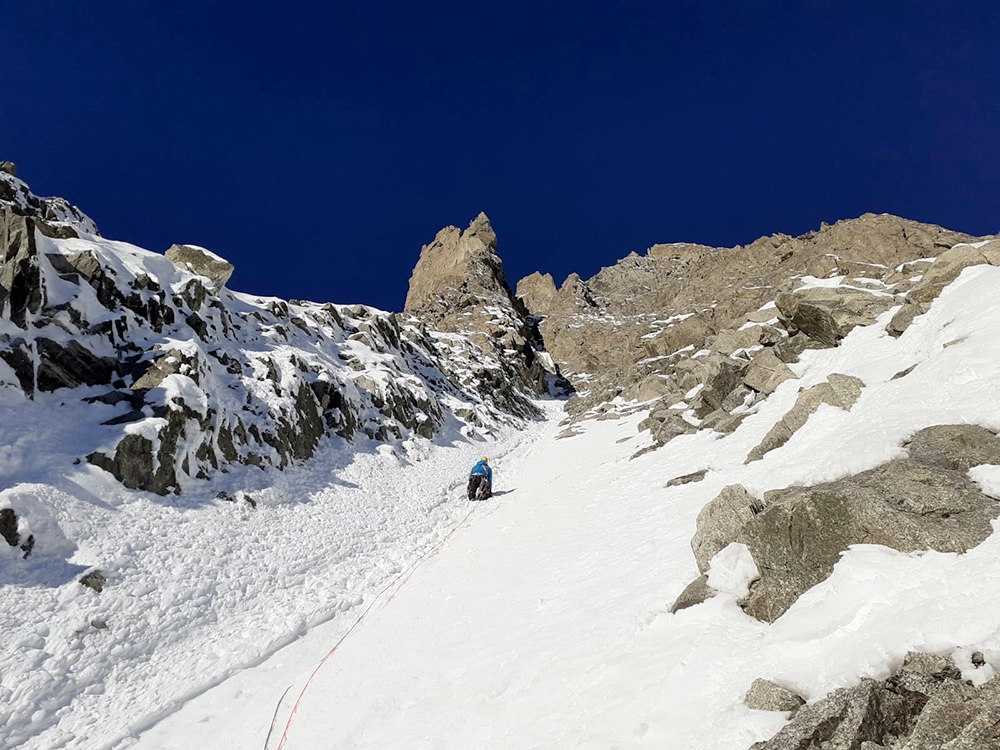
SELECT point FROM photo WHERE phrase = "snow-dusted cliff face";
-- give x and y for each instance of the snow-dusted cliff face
(203, 377)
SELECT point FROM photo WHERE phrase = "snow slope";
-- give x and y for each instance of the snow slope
(199, 587)
(542, 622)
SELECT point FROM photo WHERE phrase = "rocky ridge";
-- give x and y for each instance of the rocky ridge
(206, 378)
(52, 216)
(728, 321)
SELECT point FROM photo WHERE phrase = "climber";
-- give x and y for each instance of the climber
(481, 480)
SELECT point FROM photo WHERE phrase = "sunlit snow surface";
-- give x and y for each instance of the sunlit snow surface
(541, 622)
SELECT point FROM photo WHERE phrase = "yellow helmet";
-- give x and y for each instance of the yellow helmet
(484, 460)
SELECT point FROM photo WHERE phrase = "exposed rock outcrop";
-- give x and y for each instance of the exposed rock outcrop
(829, 314)
(796, 535)
(20, 277)
(202, 262)
(538, 291)
(648, 320)
(765, 695)
(839, 390)
(721, 521)
(925, 705)
(11, 532)
(55, 217)
(458, 287)
(8, 527)
(957, 447)
(871, 712)
(694, 593)
(95, 580)
(766, 372)
(903, 504)
(937, 275)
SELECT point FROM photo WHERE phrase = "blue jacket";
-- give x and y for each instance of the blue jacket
(482, 469)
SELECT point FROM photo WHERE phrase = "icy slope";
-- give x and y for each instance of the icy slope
(543, 621)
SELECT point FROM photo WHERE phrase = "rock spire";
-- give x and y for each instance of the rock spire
(458, 287)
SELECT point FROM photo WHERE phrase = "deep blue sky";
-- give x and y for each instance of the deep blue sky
(319, 145)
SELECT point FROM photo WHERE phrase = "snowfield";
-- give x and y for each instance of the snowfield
(538, 619)
(198, 587)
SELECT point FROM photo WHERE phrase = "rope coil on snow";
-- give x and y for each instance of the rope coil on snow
(408, 574)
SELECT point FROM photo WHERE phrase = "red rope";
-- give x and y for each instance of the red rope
(409, 574)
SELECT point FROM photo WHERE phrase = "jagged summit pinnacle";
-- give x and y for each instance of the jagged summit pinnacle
(458, 286)
(480, 227)
(455, 265)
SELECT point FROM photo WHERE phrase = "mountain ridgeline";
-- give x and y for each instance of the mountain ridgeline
(655, 326)
(205, 377)
(186, 379)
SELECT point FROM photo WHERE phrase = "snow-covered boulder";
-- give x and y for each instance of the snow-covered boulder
(202, 262)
